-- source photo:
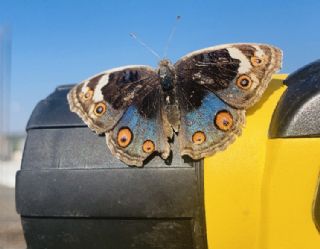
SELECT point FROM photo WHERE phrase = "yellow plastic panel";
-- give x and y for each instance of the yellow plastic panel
(240, 198)
(289, 188)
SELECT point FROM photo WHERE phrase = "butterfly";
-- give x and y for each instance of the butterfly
(200, 101)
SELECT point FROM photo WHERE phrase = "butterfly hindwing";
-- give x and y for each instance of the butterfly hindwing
(237, 73)
(207, 123)
(141, 131)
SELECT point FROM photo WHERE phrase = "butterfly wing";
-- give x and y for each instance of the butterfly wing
(207, 125)
(237, 73)
(215, 85)
(142, 130)
(124, 103)
(101, 100)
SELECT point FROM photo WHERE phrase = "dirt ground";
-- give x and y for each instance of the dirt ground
(11, 235)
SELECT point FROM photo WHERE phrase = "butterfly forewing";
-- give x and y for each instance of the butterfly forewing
(237, 73)
(102, 99)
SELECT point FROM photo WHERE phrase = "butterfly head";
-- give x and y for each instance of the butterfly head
(165, 63)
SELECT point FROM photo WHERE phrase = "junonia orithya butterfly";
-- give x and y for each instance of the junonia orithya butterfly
(201, 99)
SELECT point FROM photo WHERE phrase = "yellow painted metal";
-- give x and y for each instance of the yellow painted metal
(259, 192)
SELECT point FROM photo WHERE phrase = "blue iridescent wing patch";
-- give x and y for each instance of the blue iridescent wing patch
(140, 132)
(209, 126)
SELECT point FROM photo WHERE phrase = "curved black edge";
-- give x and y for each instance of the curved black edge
(298, 111)
(316, 208)
(53, 112)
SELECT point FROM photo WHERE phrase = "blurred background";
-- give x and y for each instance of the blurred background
(45, 43)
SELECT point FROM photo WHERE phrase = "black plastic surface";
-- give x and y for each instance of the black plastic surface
(108, 234)
(126, 193)
(298, 111)
(72, 193)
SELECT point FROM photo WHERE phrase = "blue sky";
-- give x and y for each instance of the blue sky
(59, 42)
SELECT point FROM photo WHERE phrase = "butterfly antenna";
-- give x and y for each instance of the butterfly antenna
(134, 36)
(173, 31)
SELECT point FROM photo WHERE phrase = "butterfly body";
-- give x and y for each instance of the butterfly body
(201, 99)
(166, 74)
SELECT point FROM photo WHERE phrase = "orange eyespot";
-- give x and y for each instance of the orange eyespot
(223, 120)
(88, 94)
(124, 137)
(257, 61)
(148, 146)
(100, 109)
(244, 82)
(198, 137)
